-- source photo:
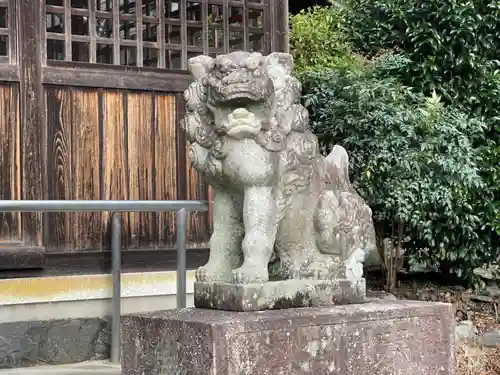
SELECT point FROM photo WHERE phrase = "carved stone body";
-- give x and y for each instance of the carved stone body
(276, 196)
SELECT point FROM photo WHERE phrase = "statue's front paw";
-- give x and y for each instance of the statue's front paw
(213, 272)
(353, 265)
(250, 274)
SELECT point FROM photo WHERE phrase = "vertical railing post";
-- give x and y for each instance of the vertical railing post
(116, 236)
(181, 258)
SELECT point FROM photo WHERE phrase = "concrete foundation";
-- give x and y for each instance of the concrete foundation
(53, 342)
(374, 338)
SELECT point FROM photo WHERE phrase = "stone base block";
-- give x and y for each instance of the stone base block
(375, 338)
(277, 294)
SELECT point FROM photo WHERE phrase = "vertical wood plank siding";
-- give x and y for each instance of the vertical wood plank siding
(85, 164)
(10, 171)
(105, 144)
(140, 125)
(165, 159)
(114, 157)
(59, 166)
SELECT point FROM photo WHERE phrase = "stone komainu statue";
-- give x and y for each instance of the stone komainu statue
(276, 196)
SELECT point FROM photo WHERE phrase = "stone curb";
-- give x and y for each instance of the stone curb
(84, 368)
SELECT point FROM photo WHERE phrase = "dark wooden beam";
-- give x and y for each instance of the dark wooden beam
(9, 73)
(281, 20)
(16, 256)
(32, 107)
(115, 77)
(268, 22)
(98, 262)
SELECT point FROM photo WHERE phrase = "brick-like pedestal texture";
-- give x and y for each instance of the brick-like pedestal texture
(375, 338)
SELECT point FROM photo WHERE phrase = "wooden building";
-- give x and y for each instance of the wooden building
(90, 104)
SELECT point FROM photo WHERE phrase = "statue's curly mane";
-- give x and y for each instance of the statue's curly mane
(301, 156)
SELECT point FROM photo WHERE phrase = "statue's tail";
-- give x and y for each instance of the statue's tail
(331, 214)
(343, 220)
(337, 169)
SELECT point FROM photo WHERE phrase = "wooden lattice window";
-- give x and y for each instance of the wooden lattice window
(150, 33)
(5, 39)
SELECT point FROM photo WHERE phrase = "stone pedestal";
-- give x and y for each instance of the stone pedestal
(283, 294)
(374, 338)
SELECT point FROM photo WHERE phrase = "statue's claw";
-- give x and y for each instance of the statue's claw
(250, 274)
(213, 272)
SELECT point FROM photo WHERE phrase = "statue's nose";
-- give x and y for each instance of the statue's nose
(252, 64)
(231, 77)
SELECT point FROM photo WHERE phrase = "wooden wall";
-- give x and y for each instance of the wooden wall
(104, 144)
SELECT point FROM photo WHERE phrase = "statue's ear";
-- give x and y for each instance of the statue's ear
(199, 65)
(285, 60)
(337, 168)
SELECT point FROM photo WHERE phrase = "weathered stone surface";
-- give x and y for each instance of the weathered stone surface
(277, 294)
(102, 347)
(276, 196)
(383, 338)
(465, 330)
(51, 342)
(491, 339)
(69, 341)
(378, 294)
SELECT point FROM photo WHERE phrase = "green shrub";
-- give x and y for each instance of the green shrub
(449, 42)
(412, 158)
(451, 48)
(430, 172)
(318, 40)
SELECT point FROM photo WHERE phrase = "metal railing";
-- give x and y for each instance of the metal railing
(181, 207)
